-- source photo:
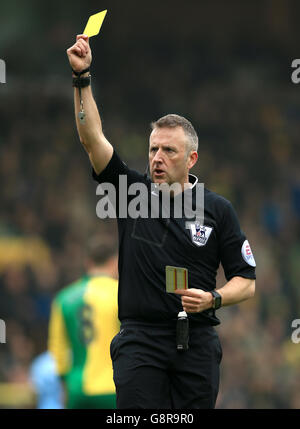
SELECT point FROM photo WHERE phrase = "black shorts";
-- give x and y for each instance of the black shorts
(150, 373)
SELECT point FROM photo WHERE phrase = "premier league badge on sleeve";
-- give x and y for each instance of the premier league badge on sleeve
(247, 254)
(200, 233)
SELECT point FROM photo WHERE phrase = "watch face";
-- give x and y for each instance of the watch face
(217, 302)
(217, 299)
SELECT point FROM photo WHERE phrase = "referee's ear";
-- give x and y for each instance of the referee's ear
(192, 159)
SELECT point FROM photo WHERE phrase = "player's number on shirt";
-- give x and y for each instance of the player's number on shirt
(86, 325)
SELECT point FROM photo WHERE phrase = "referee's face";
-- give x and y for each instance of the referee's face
(168, 159)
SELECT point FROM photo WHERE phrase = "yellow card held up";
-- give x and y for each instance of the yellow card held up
(176, 278)
(94, 24)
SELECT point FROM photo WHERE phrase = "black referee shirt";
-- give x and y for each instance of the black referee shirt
(147, 246)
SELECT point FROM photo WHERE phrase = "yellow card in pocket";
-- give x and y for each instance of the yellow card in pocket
(94, 24)
(176, 278)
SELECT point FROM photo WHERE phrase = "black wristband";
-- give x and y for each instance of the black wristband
(81, 82)
(80, 73)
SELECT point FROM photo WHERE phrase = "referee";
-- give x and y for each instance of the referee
(167, 353)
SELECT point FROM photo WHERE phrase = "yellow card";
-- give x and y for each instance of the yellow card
(94, 24)
(176, 278)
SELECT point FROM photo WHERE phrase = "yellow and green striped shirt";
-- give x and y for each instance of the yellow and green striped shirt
(83, 321)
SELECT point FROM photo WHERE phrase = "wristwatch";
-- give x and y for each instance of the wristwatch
(217, 299)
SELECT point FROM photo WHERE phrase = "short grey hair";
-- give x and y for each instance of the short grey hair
(172, 121)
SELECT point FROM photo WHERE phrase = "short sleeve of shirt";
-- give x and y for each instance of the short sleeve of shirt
(114, 169)
(58, 339)
(235, 252)
(115, 181)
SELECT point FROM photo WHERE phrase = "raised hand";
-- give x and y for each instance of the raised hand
(80, 54)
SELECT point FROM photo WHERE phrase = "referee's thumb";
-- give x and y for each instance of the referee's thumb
(181, 292)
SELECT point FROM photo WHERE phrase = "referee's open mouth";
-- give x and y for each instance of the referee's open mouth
(158, 172)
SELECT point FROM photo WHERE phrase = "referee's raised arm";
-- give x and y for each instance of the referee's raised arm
(86, 112)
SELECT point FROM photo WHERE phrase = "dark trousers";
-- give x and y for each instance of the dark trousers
(150, 373)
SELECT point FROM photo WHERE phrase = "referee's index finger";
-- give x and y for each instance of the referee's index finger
(83, 37)
(186, 292)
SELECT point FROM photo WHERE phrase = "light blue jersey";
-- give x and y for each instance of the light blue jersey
(46, 382)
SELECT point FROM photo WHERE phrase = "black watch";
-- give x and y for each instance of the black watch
(217, 299)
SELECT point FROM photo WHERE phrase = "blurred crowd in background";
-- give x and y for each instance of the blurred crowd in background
(227, 71)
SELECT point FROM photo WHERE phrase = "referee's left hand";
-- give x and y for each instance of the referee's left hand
(195, 300)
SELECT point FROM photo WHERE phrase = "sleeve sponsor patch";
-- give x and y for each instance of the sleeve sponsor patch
(247, 254)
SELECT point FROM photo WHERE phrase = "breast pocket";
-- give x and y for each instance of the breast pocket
(151, 231)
